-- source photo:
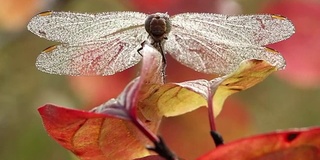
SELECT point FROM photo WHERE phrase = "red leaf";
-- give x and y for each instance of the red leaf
(283, 145)
(91, 135)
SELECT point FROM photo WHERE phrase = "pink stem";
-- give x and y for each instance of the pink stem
(211, 112)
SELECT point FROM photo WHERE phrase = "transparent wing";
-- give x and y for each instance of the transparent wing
(248, 29)
(104, 56)
(207, 56)
(67, 27)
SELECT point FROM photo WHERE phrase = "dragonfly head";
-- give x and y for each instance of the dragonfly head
(158, 26)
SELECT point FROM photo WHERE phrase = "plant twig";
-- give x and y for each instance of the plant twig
(217, 138)
(161, 148)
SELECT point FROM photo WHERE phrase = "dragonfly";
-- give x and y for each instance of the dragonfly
(109, 42)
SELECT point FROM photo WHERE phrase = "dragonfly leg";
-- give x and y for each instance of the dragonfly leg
(142, 44)
(164, 59)
(164, 62)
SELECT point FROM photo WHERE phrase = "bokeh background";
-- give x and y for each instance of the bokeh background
(286, 99)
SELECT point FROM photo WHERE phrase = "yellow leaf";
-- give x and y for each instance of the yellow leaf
(174, 99)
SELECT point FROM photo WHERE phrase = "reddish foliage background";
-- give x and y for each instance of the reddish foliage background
(302, 50)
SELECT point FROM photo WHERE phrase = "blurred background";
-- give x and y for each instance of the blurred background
(286, 99)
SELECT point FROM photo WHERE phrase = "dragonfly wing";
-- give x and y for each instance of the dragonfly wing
(248, 29)
(207, 56)
(73, 28)
(104, 56)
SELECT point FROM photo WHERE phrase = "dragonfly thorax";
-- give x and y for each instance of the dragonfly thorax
(158, 26)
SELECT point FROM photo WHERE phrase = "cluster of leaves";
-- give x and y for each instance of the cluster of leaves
(123, 126)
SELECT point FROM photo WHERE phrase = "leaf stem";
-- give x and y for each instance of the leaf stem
(217, 138)
(162, 149)
(211, 111)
